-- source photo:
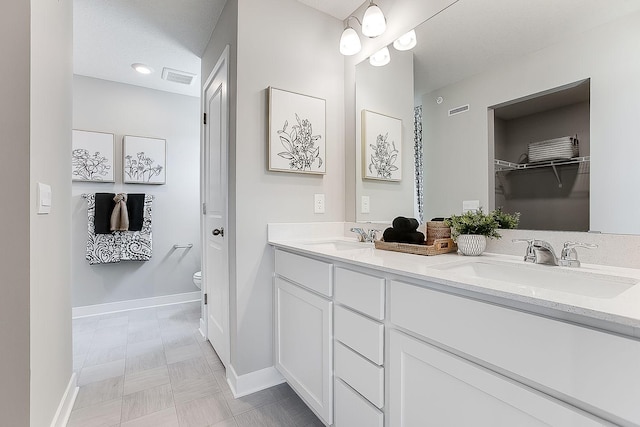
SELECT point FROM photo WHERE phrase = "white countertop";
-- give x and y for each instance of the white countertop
(620, 313)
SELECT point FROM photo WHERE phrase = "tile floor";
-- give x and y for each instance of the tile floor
(152, 368)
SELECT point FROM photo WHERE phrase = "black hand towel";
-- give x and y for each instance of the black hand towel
(135, 208)
(393, 235)
(102, 218)
(405, 224)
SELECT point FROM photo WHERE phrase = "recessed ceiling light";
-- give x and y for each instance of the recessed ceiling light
(142, 68)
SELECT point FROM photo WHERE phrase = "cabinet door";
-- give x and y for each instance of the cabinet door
(431, 387)
(304, 345)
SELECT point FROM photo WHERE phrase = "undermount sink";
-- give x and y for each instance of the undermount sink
(543, 277)
(338, 245)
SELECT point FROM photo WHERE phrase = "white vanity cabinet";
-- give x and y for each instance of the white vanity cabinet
(304, 329)
(359, 348)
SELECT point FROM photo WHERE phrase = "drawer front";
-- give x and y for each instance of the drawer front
(310, 273)
(361, 334)
(360, 291)
(363, 376)
(593, 367)
(351, 410)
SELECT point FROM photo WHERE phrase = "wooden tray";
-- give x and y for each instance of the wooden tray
(440, 246)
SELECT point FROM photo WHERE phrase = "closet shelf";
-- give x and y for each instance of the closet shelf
(503, 165)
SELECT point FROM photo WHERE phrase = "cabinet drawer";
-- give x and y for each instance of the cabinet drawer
(579, 362)
(360, 291)
(353, 410)
(313, 274)
(363, 376)
(363, 335)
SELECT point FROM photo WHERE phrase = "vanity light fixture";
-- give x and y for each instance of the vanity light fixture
(380, 58)
(142, 68)
(406, 42)
(349, 41)
(373, 23)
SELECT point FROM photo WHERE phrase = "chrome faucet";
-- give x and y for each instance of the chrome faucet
(541, 252)
(365, 235)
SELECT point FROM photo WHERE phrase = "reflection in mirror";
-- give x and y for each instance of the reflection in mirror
(490, 55)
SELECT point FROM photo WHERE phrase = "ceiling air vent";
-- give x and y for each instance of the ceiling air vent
(177, 76)
(458, 110)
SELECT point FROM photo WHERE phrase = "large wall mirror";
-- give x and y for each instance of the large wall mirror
(510, 65)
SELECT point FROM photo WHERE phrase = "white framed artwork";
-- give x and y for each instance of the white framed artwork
(92, 156)
(144, 160)
(381, 147)
(297, 139)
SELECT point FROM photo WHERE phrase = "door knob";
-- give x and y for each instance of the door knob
(218, 231)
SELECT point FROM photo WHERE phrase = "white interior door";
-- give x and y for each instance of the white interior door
(215, 276)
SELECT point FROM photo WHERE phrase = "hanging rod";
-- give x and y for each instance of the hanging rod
(187, 246)
(85, 195)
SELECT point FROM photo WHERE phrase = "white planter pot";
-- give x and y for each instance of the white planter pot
(471, 244)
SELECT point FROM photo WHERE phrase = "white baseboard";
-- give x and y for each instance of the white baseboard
(241, 385)
(61, 418)
(202, 328)
(112, 307)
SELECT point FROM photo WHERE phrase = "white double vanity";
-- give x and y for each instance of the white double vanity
(370, 338)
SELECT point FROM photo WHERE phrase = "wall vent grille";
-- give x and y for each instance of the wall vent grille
(458, 110)
(177, 76)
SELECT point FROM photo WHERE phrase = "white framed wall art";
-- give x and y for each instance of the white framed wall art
(144, 160)
(381, 147)
(92, 156)
(297, 132)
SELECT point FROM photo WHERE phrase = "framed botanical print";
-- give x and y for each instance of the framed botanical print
(92, 156)
(381, 147)
(297, 139)
(144, 160)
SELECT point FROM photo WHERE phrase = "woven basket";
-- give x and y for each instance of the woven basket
(437, 230)
(440, 246)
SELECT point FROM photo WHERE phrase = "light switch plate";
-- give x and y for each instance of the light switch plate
(44, 198)
(318, 203)
(470, 205)
(365, 205)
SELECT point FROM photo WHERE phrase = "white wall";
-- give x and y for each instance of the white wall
(104, 106)
(284, 44)
(15, 183)
(387, 90)
(459, 145)
(51, 72)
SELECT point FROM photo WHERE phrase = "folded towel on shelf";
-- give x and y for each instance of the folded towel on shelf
(394, 235)
(119, 216)
(103, 206)
(405, 224)
(135, 207)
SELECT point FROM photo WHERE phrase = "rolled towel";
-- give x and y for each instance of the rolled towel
(393, 235)
(405, 224)
(119, 216)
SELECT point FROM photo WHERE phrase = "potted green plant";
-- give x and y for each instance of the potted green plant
(471, 229)
(506, 220)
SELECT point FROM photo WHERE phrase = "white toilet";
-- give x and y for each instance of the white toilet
(197, 279)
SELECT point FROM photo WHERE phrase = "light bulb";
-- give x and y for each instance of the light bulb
(349, 42)
(406, 42)
(380, 58)
(374, 22)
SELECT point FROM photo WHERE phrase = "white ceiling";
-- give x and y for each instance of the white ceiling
(110, 35)
(337, 8)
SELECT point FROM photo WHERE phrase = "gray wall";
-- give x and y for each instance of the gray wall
(103, 106)
(298, 57)
(15, 182)
(387, 90)
(51, 74)
(458, 145)
(535, 193)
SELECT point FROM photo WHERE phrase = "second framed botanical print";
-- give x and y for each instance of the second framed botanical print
(381, 147)
(144, 160)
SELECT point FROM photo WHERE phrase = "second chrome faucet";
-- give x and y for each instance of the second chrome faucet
(541, 252)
